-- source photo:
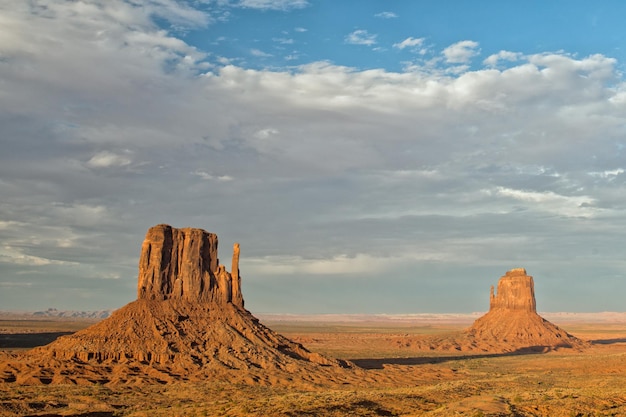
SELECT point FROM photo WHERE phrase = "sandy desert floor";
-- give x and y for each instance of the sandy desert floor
(392, 378)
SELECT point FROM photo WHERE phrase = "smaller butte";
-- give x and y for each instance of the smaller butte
(512, 322)
(511, 325)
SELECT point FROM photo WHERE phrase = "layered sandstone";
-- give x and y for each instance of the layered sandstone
(188, 322)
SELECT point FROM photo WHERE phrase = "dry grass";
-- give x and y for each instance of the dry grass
(559, 383)
(360, 340)
(44, 325)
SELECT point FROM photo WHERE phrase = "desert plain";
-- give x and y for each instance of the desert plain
(392, 375)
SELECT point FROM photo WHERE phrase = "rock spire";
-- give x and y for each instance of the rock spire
(237, 297)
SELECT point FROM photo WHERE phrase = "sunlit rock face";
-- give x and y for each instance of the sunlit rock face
(183, 264)
(516, 291)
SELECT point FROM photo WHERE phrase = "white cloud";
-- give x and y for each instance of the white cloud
(106, 159)
(461, 52)
(15, 284)
(80, 214)
(570, 206)
(608, 174)
(210, 177)
(284, 41)
(259, 54)
(11, 255)
(272, 4)
(336, 265)
(265, 133)
(619, 98)
(361, 37)
(7, 224)
(409, 43)
(102, 50)
(494, 60)
(106, 275)
(386, 15)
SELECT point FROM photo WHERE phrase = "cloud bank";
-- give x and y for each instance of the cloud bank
(369, 190)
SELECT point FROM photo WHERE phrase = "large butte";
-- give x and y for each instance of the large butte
(188, 323)
(512, 322)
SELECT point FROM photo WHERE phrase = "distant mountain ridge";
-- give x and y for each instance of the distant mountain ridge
(55, 313)
(409, 318)
(425, 318)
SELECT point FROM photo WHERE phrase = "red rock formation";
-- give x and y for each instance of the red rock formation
(512, 324)
(187, 323)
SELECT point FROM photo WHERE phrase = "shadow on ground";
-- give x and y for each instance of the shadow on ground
(608, 341)
(88, 414)
(28, 340)
(379, 363)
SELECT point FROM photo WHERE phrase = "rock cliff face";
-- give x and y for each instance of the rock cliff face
(183, 264)
(188, 323)
(516, 292)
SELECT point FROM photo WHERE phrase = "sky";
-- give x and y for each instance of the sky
(370, 157)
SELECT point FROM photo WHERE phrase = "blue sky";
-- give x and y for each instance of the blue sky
(370, 35)
(369, 157)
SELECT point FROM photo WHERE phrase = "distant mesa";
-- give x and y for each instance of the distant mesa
(188, 323)
(512, 322)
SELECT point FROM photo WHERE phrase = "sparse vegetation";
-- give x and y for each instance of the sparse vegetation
(559, 383)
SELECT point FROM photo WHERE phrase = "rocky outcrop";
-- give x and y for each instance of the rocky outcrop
(188, 322)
